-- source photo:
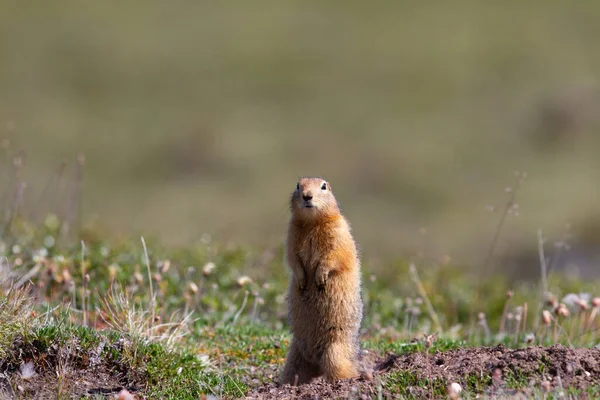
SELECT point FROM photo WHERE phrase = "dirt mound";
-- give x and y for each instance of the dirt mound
(488, 370)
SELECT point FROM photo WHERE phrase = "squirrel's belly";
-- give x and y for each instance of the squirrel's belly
(335, 308)
(322, 317)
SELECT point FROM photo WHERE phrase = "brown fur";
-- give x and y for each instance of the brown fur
(325, 305)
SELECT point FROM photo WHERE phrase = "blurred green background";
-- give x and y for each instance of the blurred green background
(198, 117)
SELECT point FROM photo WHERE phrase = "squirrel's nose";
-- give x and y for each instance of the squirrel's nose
(307, 196)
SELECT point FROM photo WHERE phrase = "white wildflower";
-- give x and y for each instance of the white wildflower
(208, 268)
(244, 280)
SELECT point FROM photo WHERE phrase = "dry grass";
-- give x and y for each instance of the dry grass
(17, 316)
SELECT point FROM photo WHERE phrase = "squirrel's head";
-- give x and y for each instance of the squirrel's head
(313, 198)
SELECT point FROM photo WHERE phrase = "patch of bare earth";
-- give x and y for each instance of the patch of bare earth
(64, 372)
(499, 368)
(95, 383)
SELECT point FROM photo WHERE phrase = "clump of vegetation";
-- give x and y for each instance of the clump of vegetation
(16, 315)
(176, 323)
(164, 322)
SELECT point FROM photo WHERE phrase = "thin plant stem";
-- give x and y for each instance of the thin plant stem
(509, 204)
(421, 289)
(84, 283)
(524, 318)
(504, 313)
(520, 178)
(45, 193)
(147, 260)
(543, 273)
(237, 314)
(74, 203)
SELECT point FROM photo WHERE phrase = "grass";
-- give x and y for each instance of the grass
(215, 321)
(167, 374)
(166, 371)
(404, 383)
(15, 314)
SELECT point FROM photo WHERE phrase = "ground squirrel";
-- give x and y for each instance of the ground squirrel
(324, 299)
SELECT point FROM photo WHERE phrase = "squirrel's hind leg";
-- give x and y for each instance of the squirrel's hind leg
(297, 369)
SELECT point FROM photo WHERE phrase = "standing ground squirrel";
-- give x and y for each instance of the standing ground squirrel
(324, 299)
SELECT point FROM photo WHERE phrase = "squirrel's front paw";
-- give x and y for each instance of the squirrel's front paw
(321, 277)
(301, 282)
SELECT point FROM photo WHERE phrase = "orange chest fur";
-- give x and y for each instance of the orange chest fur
(324, 245)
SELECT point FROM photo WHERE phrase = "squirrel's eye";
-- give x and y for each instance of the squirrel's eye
(324, 186)
(298, 186)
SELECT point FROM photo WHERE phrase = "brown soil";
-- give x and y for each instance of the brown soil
(75, 383)
(496, 369)
(67, 372)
